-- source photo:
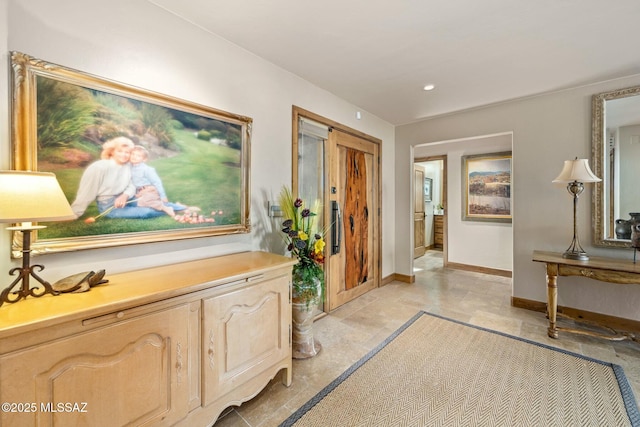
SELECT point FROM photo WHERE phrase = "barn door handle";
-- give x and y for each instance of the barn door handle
(336, 229)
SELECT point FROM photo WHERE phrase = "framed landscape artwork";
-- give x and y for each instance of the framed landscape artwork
(63, 121)
(487, 187)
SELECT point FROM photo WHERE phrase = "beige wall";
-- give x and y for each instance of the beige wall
(546, 131)
(139, 44)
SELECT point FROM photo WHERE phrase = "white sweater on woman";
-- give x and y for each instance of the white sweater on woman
(102, 179)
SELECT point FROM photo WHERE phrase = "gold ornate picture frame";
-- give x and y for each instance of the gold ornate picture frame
(487, 187)
(61, 119)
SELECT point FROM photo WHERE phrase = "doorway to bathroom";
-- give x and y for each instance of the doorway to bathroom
(430, 201)
(469, 244)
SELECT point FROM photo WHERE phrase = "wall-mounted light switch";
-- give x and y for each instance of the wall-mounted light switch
(274, 210)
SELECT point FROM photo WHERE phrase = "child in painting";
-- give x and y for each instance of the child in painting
(149, 189)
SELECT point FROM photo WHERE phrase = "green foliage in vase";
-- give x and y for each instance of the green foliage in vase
(306, 244)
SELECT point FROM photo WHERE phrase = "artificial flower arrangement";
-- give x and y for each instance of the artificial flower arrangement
(305, 243)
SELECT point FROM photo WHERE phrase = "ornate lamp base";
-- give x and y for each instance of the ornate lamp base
(575, 251)
(9, 295)
(580, 256)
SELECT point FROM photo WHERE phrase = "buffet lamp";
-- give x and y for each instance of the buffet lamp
(576, 173)
(30, 197)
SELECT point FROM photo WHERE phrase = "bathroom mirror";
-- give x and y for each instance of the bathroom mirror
(616, 159)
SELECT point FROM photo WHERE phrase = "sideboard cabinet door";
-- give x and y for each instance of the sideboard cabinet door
(134, 372)
(246, 340)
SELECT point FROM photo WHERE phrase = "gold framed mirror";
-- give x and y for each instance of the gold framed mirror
(616, 155)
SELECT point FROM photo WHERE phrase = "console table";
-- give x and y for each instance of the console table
(597, 268)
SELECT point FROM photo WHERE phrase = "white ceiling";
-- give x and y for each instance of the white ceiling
(378, 54)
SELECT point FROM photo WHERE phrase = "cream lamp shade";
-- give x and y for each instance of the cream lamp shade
(576, 170)
(32, 197)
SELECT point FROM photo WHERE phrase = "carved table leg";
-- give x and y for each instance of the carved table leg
(552, 299)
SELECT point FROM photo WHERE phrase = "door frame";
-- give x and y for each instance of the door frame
(297, 113)
(418, 202)
(445, 246)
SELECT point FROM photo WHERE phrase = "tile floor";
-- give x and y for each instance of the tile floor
(351, 331)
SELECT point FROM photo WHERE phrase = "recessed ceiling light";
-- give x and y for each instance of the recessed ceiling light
(429, 87)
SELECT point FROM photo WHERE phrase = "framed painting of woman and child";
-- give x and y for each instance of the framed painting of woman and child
(136, 166)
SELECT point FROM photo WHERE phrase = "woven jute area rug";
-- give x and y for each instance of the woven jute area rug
(434, 371)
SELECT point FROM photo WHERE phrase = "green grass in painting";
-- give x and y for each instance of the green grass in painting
(202, 174)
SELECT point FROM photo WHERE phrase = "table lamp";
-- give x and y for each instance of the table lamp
(30, 197)
(576, 173)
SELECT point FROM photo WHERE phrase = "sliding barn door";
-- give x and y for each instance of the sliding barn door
(353, 184)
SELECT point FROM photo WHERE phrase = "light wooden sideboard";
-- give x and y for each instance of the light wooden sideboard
(171, 345)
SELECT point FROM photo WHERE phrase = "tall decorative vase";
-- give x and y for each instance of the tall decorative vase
(305, 298)
(304, 345)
